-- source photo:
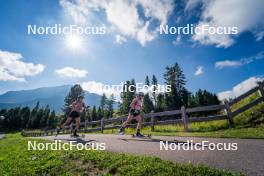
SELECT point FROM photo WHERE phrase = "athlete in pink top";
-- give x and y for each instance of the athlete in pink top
(134, 113)
(77, 108)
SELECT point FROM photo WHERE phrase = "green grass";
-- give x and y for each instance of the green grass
(247, 133)
(193, 127)
(15, 159)
(252, 116)
(249, 124)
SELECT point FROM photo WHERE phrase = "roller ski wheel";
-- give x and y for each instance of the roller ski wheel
(141, 136)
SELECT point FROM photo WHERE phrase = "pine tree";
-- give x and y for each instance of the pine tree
(25, 114)
(15, 118)
(36, 122)
(44, 118)
(33, 116)
(160, 103)
(147, 81)
(103, 105)
(94, 114)
(110, 106)
(51, 122)
(127, 96)
(204, 98)
(103, 101)
(99, 114)
(72, 96)
(3, 120)
(83, 115)
(178, 96)
(154, 83)
(147, 103)
(88, 115)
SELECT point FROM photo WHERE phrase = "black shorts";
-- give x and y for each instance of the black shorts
(134, 112)
(74, 114)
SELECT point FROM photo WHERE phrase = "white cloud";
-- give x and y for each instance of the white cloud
(69, 72)
(240, 88)
(12, 68)
(124, 16)
(199, 71)
(260, 36)
(157, 9)
(227, 63)
(78, 12)
(237, 63)
(191, 4)
(120, 39)
(244, 14)
(213, 39)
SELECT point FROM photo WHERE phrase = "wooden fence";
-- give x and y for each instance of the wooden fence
(151, 119)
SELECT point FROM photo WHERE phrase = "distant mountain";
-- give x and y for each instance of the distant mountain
(52, 96)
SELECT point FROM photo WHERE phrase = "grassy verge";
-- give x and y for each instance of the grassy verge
(247, 133)
(175, 130)
(249, 124)
(15, 159)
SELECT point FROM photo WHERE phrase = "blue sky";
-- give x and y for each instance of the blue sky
(131, 47)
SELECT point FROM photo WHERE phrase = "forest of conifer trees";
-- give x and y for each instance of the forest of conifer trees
(44, 117)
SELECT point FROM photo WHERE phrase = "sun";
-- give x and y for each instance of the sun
(74, 42)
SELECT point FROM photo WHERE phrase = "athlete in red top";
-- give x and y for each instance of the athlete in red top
(134, 113)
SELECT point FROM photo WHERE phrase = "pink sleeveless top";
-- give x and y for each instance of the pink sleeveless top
(138, 104)
(77, 106)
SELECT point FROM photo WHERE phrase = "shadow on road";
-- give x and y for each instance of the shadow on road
(77, 140)
(177, 142)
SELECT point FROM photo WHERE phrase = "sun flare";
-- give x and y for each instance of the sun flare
(74, 42)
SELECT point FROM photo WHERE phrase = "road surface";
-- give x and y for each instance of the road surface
(248, 158)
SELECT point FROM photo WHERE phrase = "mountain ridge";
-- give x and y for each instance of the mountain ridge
(52, 96)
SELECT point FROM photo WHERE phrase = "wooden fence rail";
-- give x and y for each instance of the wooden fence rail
(151, 119)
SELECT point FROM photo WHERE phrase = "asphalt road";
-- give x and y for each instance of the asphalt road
(248, 158)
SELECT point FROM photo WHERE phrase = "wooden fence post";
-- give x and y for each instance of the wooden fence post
(152, 121)
(261, 90)
(102, 125)
(184, 119)
(229, 114)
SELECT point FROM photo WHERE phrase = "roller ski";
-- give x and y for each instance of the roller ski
(139, 135)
